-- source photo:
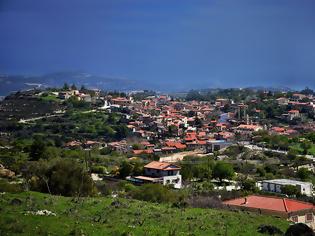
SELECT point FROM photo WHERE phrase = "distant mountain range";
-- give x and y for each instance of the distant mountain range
(12, 83)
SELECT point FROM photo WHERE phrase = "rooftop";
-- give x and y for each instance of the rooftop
(161, 166)
(270, 203)
(286, 181)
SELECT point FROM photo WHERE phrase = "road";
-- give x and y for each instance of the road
(257, 148)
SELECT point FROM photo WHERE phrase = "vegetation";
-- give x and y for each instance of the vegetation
(59, 176)
(115, 216)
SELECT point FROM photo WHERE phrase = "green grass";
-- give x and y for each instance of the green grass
(311, 150)
(98, 216)
(50, 98)
(296, 147)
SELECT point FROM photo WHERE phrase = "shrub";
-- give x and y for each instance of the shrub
(299, 230)
(60, 176)
(105, 151)
(205, 202)
(154, 193)
(223, 170)
(5, 186)
(98, 169)
(269, 229)
(289, 190)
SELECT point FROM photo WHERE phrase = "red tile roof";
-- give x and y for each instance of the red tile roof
(177, 145)
(294, 111)
(270, 203)
(161, 166)
(145, 151)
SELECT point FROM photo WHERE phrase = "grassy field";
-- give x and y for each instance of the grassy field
(109, 216)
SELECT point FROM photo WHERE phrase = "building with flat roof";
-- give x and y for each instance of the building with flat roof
(275, 185)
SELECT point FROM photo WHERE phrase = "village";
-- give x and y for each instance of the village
(250, 156)
(241, 147)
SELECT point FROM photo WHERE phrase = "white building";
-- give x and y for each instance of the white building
(161, 172)
(275, 185)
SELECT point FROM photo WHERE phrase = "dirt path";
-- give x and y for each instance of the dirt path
(180, 155)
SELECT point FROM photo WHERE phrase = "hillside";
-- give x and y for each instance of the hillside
(108, 216)
(13, 83)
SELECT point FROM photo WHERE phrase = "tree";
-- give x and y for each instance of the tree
(38, 150)
(137, 146)
(137, 168)
(307, 91)
(196, 167)
(125, 169)
(61, 177)
(261, 171)
(289, 190)
(121, 131)
(65, 86)
(223, 170)
(83, 88)
(73, 87)
(248, 185)
(303, 173)
(306, 145)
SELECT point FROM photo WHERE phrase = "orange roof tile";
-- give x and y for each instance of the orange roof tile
(161, 166)
(270, 203)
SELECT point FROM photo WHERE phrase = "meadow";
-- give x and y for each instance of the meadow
(116, 216)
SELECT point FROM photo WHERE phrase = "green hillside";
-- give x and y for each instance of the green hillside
(109, 216)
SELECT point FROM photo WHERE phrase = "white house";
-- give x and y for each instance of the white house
(275, 185)
(161, 172)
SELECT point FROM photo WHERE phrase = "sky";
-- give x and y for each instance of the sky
(174, 43)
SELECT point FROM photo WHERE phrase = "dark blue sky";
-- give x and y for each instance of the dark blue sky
(196, 43)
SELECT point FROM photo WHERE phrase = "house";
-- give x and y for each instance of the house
(249, 128)
(160, 172)
(293, 210)
(121, 101)
(216, 145)
(64, 95)
(275, 185)
(294, 114)
(73, 144)
(283, 101)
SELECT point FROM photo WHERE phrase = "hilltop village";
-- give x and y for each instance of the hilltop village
(231, 149)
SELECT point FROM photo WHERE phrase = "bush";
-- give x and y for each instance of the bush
(98, 169)
(105, 151)
(60, 176)
(127, 187)
(269, 229)
(5, 186)
(196, 167)
(205, 202)
(290, 190)
(299, 230)
(223, 170)
(154, 193)
(130, 168)
(249, 185)
(303, 173)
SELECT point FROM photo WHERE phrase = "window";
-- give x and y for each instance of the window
(308, 217)
(295, 219)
